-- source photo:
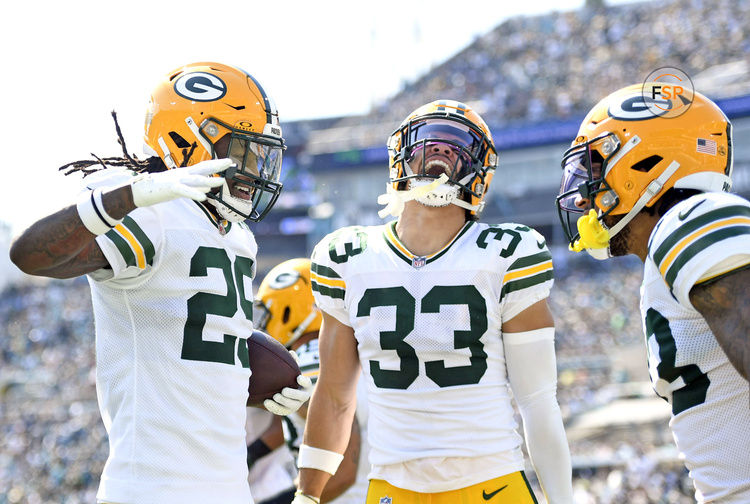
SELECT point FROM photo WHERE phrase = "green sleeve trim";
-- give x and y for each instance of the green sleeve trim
(695, 224)
(148, 246)
(122, 246)
(525, 283)
(325, 271)
(698, 246)
(331, 292)
(525, 262)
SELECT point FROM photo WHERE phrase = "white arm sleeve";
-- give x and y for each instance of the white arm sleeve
(532, 373)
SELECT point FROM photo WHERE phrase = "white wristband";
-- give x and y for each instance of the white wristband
(92, 213)
(108, 219)
(316, 458)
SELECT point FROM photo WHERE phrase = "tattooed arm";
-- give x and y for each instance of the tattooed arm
(725, 304)
(60, 246)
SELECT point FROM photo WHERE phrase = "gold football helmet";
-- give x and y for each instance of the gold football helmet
(200, 105)
(286, 304)
(453, 125)
(628, 153)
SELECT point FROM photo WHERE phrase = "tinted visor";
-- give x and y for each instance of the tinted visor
(448, 132)
(576, 183)
(467, 144)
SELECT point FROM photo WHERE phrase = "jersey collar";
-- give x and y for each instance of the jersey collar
(222, 225)
(398, 248)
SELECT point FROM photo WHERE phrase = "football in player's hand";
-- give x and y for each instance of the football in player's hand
(273, 368)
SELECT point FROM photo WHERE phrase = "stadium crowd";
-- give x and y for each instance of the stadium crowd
(556, 66)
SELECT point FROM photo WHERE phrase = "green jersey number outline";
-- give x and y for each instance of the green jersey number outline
(405, 303)
(200, 304)
(696, 381)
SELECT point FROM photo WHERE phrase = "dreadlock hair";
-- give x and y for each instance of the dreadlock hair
(150, 165)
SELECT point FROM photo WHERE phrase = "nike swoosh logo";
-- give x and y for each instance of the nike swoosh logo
(541, 244)
(488, 496)
(684, 213)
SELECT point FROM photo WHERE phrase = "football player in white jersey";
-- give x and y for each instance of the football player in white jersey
(170, 262)
(287, 311)
(445, 316)
(649, 177)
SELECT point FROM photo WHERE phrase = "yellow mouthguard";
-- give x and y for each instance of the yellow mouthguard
(592, 234)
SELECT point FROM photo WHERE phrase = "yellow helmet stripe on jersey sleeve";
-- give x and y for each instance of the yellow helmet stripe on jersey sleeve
(696, 235)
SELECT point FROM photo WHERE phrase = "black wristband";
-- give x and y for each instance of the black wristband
(257, 450)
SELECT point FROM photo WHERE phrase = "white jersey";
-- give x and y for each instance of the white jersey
(273, 473)
(294, 425)
(698, 239)
(428, 333)
(172, 315)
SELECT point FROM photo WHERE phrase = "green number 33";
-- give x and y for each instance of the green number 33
(435, 370)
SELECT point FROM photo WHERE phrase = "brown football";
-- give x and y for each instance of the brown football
(272, 367)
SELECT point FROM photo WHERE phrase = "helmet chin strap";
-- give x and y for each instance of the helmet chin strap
(652, 190)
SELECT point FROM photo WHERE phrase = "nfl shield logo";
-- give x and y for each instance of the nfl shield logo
(417, 262)
(385, 500)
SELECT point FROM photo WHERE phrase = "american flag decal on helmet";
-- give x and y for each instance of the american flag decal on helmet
(706, 146)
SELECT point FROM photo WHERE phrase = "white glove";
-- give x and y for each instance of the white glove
(290, 399)
(189, 182)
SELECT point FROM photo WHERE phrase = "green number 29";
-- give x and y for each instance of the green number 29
(194, 347)
(405, 317)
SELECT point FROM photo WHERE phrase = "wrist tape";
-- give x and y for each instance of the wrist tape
(316, 458)
(92, 213)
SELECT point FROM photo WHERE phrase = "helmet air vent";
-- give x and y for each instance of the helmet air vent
(180, 142)
(645, 165)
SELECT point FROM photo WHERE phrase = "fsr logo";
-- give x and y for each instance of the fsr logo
(200, 86)
(667, 92)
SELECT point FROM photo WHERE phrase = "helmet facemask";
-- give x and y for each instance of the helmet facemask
(434, 146)
(584, 187)
(252, 186)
